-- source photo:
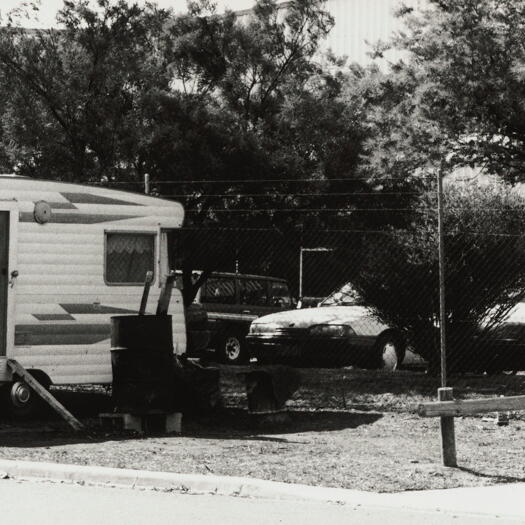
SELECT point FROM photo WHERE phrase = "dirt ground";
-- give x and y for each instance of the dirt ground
(347, 428)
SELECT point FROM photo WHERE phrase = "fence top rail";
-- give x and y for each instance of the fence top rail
(470, 406)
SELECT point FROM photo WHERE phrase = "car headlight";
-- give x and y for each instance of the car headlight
(331, 330)
(263, 328)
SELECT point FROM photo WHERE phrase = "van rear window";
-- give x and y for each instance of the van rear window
(128, 257)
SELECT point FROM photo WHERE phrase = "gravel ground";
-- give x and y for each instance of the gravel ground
(346, 428)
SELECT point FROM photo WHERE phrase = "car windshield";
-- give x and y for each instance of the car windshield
(344, 296)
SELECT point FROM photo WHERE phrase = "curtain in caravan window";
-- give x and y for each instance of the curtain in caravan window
(128, 257)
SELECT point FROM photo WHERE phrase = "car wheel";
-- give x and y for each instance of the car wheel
(233, 349)
(389, 352)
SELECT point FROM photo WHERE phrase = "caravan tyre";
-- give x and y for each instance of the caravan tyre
(21, 401)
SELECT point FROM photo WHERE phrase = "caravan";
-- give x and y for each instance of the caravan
(72, 256)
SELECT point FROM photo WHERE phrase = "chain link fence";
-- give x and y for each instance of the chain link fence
(339, 298)
(356, 308)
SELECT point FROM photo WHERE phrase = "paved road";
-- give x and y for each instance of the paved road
(47, 503)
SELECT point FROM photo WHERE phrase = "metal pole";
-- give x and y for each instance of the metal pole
(300, 273)
(146, 183)
(448, 436)
(442, 310)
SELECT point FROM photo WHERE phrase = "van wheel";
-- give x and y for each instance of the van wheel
(232, 349)
(21, 401)
(390, 352)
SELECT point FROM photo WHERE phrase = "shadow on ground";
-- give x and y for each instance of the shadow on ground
(222, 424)
(374, 390)
(499, 478)
(235, 423)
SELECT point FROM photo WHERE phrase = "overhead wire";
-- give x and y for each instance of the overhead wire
(302, 210)
(255, 195)
(258, 181)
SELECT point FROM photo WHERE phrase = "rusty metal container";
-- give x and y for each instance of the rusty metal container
(142, 363)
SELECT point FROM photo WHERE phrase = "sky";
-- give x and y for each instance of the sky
(356, 21)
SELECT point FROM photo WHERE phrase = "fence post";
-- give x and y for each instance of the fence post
(448, 438)
(441, 262)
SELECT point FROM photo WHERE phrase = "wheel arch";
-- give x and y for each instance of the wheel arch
(393, 332)
(400, 338)
(41, 376)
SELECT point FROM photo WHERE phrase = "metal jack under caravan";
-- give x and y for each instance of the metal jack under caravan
(71, 256)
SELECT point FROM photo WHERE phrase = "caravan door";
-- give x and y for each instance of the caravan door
(4, 278)
(8, 225)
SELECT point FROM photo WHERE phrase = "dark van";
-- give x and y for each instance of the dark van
(232, 301)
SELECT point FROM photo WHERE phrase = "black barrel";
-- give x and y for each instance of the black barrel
(142, 363)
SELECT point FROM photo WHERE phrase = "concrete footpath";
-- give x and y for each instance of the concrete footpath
(51, 503)
(502, 501)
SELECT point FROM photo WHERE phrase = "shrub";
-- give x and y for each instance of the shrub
(484, 225)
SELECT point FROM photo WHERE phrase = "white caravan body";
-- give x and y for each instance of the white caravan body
(72, 256)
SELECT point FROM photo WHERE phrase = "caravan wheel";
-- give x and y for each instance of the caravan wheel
(21, 401)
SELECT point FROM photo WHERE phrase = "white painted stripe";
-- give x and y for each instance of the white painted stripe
(57, 269)
(44, 237)
(73, 360)
(36, 281)
(57, 249)
(65, 258)
(31, 195)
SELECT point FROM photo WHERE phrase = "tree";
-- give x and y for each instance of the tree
(276, 124)
(272, 114)
(241, 120)
(73, 95)
(460, 87)
(454, 99)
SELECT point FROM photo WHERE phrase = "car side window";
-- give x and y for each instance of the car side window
(253, 291)
(219, 290)
(279, 294)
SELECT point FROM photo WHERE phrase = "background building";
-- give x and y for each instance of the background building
(356, 21)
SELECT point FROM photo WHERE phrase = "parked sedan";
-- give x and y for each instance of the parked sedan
(339, 332)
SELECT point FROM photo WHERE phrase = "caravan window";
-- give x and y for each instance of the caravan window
(128, 257)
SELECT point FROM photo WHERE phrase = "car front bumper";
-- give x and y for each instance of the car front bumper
(355, 350)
